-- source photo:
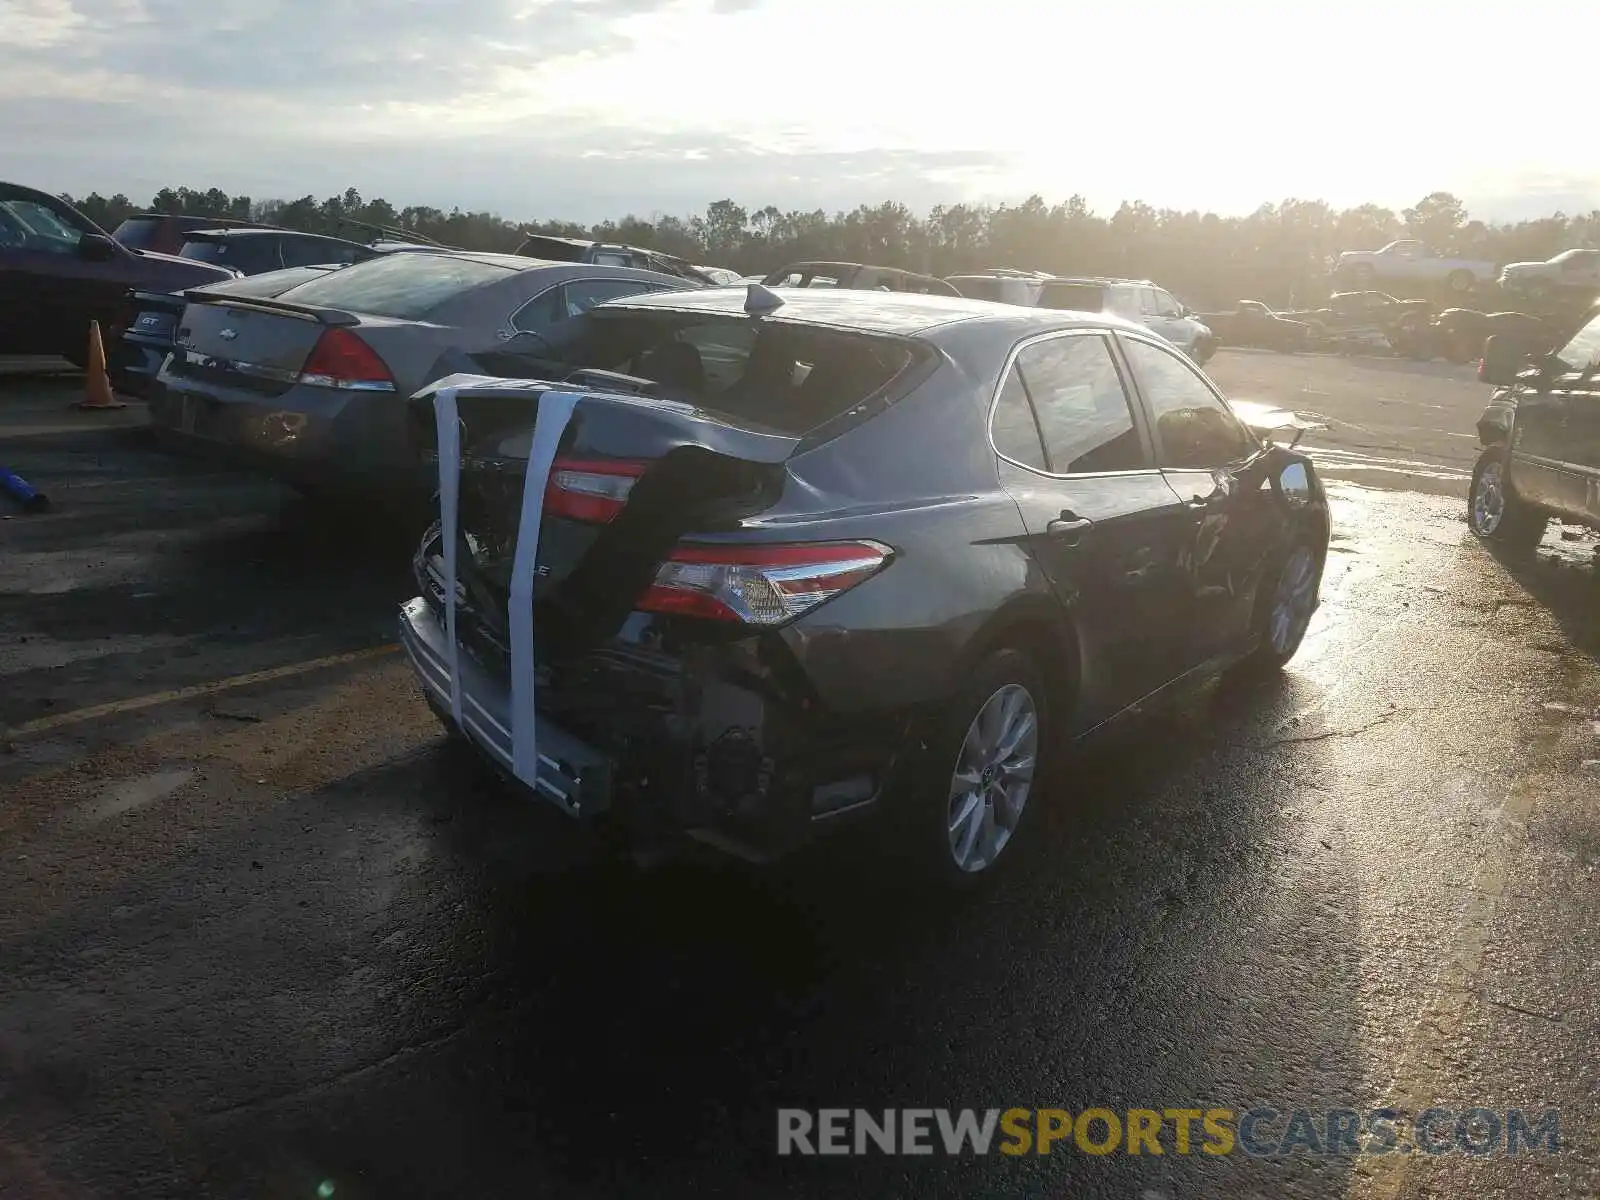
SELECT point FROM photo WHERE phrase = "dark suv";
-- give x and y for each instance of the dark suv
(1541, 438)
(59, 271)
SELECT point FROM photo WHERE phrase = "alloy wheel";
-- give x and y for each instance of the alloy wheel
(1293, 601)
(993, 776)
(1489, 500)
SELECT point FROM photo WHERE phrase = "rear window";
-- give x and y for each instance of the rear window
(405, 286)
(250, 255)
(784, 376)
(1079, 297)
(139, 233)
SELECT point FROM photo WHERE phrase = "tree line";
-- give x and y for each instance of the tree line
(1281, 253)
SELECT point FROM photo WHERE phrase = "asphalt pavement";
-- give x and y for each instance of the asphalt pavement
(263, 934)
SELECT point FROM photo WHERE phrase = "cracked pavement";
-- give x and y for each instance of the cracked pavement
(258, 939)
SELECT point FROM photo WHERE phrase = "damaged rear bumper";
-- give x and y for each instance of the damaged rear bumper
(729, 767)
(573, 776)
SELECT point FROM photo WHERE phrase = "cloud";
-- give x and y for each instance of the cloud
(314, 50)
(592, 108)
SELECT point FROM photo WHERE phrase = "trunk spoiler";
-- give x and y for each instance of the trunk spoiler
(284, 308)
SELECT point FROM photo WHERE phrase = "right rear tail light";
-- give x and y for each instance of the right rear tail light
(759, 585)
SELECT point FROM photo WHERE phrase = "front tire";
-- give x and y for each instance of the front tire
(1495, 513)
(1285, 605)
(1459, 282)
(972, 800)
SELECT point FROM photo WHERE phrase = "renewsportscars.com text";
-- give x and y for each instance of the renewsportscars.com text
(1260, 1131)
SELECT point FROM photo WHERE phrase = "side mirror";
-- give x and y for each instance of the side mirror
(96, 247)
(1294, 485)
(1503, 358)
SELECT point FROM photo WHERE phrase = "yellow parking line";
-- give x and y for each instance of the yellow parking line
(136, 703)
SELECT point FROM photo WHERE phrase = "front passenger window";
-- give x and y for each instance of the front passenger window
(1194, 428)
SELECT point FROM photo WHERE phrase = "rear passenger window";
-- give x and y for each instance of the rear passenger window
(1081, 406)
(1016, 436)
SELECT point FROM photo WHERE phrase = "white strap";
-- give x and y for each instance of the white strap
(449, 427)
(555, 410)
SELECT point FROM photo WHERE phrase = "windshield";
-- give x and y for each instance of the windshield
(407, 286)
(1077, 297)
(1582, 351)
(140, 233)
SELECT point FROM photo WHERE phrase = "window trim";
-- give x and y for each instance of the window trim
(1130, 397)
(1216, 393)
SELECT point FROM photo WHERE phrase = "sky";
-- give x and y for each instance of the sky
(587, 109)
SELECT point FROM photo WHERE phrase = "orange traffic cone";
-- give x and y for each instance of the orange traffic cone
(97, 384)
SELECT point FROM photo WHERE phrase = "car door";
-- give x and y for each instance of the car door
(1555, 440)
(1200, 447)
(1105, 528)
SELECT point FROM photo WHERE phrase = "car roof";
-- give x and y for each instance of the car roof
(1101, 280)
(901, 313)
(245, 234)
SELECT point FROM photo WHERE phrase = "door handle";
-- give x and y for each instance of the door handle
(1068, 528)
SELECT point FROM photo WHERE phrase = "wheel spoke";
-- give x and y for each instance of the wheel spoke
(972, 825)
(970, 802)
(1020, 728)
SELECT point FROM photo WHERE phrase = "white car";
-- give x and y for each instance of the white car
(1411, 261)
(1571, 269)
(721, 276)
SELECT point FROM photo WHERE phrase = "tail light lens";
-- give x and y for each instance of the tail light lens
(127, 314)
(759, 585)
(340, 359)
(592, 490)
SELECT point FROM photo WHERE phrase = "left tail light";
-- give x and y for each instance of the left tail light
(593, 490)
(340, 359)
(759, 585)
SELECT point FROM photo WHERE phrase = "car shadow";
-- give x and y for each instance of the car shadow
(451, 991)
(1562, 576)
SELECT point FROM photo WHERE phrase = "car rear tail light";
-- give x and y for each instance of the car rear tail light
(340, 359)
(127, 314)
(759, 585)
(592, 490)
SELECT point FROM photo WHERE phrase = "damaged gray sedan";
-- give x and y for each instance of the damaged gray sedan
(809, 555)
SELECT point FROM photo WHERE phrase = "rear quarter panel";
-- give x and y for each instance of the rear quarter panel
(921, 478)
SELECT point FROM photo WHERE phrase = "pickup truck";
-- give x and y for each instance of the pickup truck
(1252, 323)
(1410, 261)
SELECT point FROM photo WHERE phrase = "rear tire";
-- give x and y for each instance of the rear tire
(1495, 513)
(971, 798)
(1459, 282)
